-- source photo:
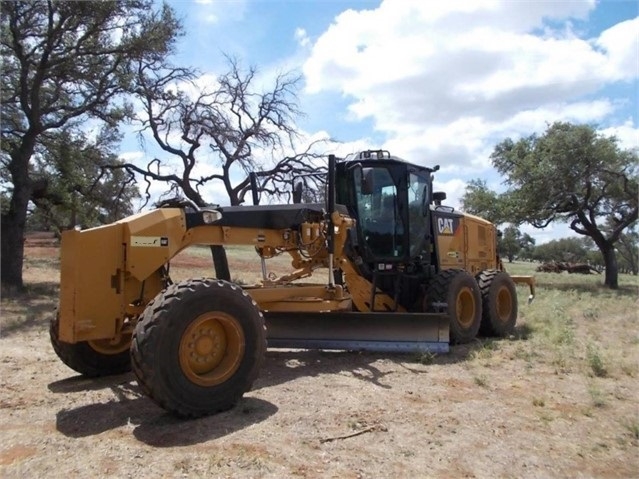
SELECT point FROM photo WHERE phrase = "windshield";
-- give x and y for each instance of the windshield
(377, 209)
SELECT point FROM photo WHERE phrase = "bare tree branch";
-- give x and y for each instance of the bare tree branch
(244, 129)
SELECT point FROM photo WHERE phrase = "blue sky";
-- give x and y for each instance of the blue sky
(433, 82)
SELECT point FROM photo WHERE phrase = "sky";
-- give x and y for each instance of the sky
(435, 83)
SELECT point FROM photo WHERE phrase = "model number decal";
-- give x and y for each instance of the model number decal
(149, 241)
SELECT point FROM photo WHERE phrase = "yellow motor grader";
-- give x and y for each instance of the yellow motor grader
(403, 273)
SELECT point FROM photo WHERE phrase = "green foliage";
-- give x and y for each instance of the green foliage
(481, 201)
(77, 184)
(586, 180)
(578, 170)
(597, 395)
(82, 62)
(574, 250)
(513, 243)
(596, 362)
(64, 63)
(628, 250)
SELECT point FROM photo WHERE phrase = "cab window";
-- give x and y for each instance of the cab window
(377, 209)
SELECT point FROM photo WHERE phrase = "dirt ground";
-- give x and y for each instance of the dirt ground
(484, 410)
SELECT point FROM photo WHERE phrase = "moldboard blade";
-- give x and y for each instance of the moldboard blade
(379, 332)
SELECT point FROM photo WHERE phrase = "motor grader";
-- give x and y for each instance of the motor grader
(403, 273)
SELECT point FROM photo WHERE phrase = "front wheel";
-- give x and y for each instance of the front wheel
(460, 292)
(92, 358)
(198, 347)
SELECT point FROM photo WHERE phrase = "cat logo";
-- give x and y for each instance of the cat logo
(445, 226)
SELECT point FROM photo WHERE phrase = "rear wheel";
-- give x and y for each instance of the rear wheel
(499, 299)
(93, 358)
(460, 292)
(198, 348)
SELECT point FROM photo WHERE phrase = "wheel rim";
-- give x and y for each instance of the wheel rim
(111, 346)
(465, 307)
(504, 304)
(211, 348)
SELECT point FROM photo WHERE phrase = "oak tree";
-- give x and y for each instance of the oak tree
(574, 174)
(74, 182)
(63, 64)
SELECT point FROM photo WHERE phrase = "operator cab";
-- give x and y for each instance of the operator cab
(390, 199)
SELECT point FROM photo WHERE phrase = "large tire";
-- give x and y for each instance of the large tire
(92, 358)
(459, 290)
(198, 347)
(499, 299)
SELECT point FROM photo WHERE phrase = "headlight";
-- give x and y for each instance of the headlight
(211, 216)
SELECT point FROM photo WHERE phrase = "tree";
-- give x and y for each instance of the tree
(481, 201)
(73, 187)
(233, 126)
(573, 250)
(64, 63)
(574, 174)
(628, 251)
(513, 242)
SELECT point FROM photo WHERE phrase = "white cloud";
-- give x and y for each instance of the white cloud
(444, 82)
(551, 232)
(621, 44)
(302, 37)
(627, 134)
(454, 190)
(131, 156)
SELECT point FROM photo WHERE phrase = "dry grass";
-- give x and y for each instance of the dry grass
(559, 398)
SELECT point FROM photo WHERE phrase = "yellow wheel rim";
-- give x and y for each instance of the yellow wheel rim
(111, 346)
(465, 307)
(504, 304)
(211, 348)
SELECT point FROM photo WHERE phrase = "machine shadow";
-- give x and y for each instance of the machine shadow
(152, 425)
(281, 366)
(148, 422)
(79, 383)
(168, 431)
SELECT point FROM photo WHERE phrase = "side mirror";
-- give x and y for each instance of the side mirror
(438, 197)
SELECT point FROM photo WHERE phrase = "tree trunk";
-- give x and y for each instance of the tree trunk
(14, 221)
(610, 262)
(12, 250)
